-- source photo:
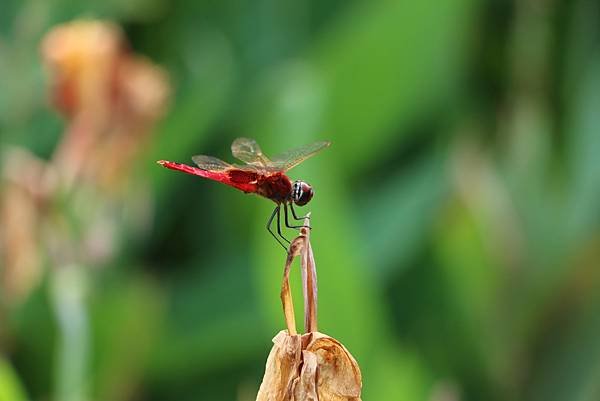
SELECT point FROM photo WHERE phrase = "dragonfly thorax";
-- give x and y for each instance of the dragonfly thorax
(302, 193)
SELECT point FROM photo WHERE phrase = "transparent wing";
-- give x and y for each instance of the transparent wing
(210, 163)
(292, 158)
(248, 151)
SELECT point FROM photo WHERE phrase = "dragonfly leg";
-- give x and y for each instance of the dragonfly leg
(294, 213)
(279, 224)
(285, 213)
(270, 222)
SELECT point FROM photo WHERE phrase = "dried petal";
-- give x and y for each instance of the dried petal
(282, 368)
(339, 375)
(305, 386)
(81, 57)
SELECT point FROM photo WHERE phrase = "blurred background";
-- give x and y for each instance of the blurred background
(456, 216)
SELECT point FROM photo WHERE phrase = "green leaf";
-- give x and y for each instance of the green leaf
(584, 150)
(383, 64)
(11, 388)
(397, 216)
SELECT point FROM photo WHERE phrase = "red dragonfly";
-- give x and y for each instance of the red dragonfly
(260, 175)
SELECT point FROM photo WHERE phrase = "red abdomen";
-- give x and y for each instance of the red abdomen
(276, 186)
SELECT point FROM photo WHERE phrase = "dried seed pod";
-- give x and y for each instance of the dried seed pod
(310, 367)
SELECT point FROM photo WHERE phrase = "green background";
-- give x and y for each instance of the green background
(456, 215)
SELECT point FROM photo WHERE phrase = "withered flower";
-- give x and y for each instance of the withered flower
(67, 210)
(110, 97)
(311, 366)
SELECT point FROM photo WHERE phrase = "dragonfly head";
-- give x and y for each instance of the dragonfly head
(302, 193)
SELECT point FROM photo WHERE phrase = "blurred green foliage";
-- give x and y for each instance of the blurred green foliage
(456, 217)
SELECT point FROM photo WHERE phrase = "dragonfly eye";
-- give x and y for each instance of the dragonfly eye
(302, 193)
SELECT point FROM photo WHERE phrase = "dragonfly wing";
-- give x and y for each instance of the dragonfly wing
(292, 158)
(248, 151)
(210, 163)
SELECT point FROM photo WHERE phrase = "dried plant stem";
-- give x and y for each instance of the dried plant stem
(286, 294)
(309, 286)
(300, 246)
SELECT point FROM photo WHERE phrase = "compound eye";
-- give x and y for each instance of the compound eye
(303, 193)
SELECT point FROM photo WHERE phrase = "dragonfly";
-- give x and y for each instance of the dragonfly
(260, 175)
